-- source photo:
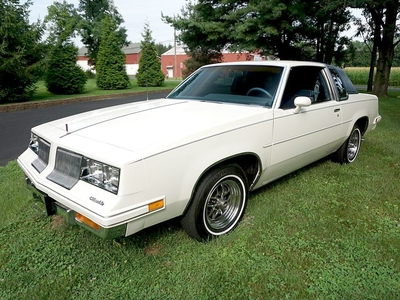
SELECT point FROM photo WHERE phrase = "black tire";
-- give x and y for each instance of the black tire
(218, 203)
(347, 153)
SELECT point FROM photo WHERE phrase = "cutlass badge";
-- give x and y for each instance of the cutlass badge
(95, 200)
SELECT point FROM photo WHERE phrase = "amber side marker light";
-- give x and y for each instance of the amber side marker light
(86, 221)
(156, 205)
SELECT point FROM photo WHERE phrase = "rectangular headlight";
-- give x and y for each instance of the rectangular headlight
(100, 174)
(42, 148)
(34, 143)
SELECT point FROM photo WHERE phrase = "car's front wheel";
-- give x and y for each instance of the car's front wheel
(347, 153)
(218, 203)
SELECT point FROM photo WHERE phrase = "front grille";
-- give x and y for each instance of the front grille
(41, 162)
(67, 168)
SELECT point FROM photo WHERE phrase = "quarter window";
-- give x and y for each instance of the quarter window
(339, 84)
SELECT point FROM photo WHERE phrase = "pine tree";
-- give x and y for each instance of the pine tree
(110, 66)
(21, 52)
(63, 75)
(149, 73)
(92, 13)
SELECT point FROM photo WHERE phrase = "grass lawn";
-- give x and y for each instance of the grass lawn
(92, 90)
(325, 232)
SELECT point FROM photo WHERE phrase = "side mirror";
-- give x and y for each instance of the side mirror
(300, 102)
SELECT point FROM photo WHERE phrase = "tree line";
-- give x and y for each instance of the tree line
(299, 30)
(287, 29)
(25, 57)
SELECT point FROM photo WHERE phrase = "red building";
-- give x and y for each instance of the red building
(132, 57)
(171, 58)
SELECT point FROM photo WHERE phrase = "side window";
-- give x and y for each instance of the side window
(340, 87)
(321, 91)
(305, 81)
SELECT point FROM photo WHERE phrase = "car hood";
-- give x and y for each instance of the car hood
(157, 125)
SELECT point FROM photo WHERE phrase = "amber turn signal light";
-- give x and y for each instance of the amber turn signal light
(156, 205)
(86, 221)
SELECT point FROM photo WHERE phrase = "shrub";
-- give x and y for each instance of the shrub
(63, 75)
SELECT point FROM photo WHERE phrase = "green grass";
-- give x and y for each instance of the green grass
(92, 90)
(325, 232)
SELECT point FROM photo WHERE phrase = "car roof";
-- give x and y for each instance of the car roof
(281, 63)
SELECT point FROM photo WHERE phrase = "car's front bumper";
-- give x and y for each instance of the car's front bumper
(50, 207)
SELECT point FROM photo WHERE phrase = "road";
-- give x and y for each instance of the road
(15, 127)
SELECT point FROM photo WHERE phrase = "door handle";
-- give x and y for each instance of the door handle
(337, 110)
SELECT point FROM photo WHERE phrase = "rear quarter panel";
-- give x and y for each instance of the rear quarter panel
(356, 107)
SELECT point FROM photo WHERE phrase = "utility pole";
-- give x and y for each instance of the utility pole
(175, 67)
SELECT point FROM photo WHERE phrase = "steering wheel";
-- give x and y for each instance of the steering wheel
(257, 89)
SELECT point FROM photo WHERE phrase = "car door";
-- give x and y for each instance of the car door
(312, 133)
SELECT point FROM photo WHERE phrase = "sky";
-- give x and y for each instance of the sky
(135, 13)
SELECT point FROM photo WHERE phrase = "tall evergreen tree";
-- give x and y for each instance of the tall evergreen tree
(21, 52)
(149, 73)
(63, 75)
(204, 30)
(92, 13)
(111, 72)
(285, 28)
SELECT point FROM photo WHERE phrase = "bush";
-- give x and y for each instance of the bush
(63, 75)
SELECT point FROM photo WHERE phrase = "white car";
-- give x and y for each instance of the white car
(226, 130)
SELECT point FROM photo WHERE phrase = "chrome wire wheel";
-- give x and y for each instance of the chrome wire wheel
(218, 203)
(348, 151)
(353, 145)
(224, 205)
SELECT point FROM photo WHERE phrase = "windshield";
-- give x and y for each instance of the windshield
(242, 84)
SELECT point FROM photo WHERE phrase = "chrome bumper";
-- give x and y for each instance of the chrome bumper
(49, 206)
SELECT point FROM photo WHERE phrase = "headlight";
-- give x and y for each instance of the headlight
(42, 148)
(100, 174)
(34, 143)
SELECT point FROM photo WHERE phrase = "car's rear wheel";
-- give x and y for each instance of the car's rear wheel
(347, 153)
(218, 203)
